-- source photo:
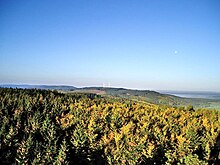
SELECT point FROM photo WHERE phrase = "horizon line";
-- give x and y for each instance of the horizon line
(157, 90)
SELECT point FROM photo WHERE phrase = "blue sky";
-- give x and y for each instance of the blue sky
(144, 44)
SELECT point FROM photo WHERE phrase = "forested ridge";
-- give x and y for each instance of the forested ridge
(48, 127)
(151, 97)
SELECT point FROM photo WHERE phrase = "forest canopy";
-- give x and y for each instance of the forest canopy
(48, 127)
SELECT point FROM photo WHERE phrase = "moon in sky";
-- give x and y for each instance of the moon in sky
(175, 52)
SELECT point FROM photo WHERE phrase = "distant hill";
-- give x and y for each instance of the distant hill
(137, 95)
(47, 87)
(152, 97)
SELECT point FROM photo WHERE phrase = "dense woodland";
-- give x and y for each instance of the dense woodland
(47, 127)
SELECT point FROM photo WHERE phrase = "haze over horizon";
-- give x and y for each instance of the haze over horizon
(156, 45)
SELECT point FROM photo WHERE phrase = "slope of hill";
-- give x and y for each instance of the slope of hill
(153, 97)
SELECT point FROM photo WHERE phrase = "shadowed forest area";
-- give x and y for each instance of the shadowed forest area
(47, 127)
